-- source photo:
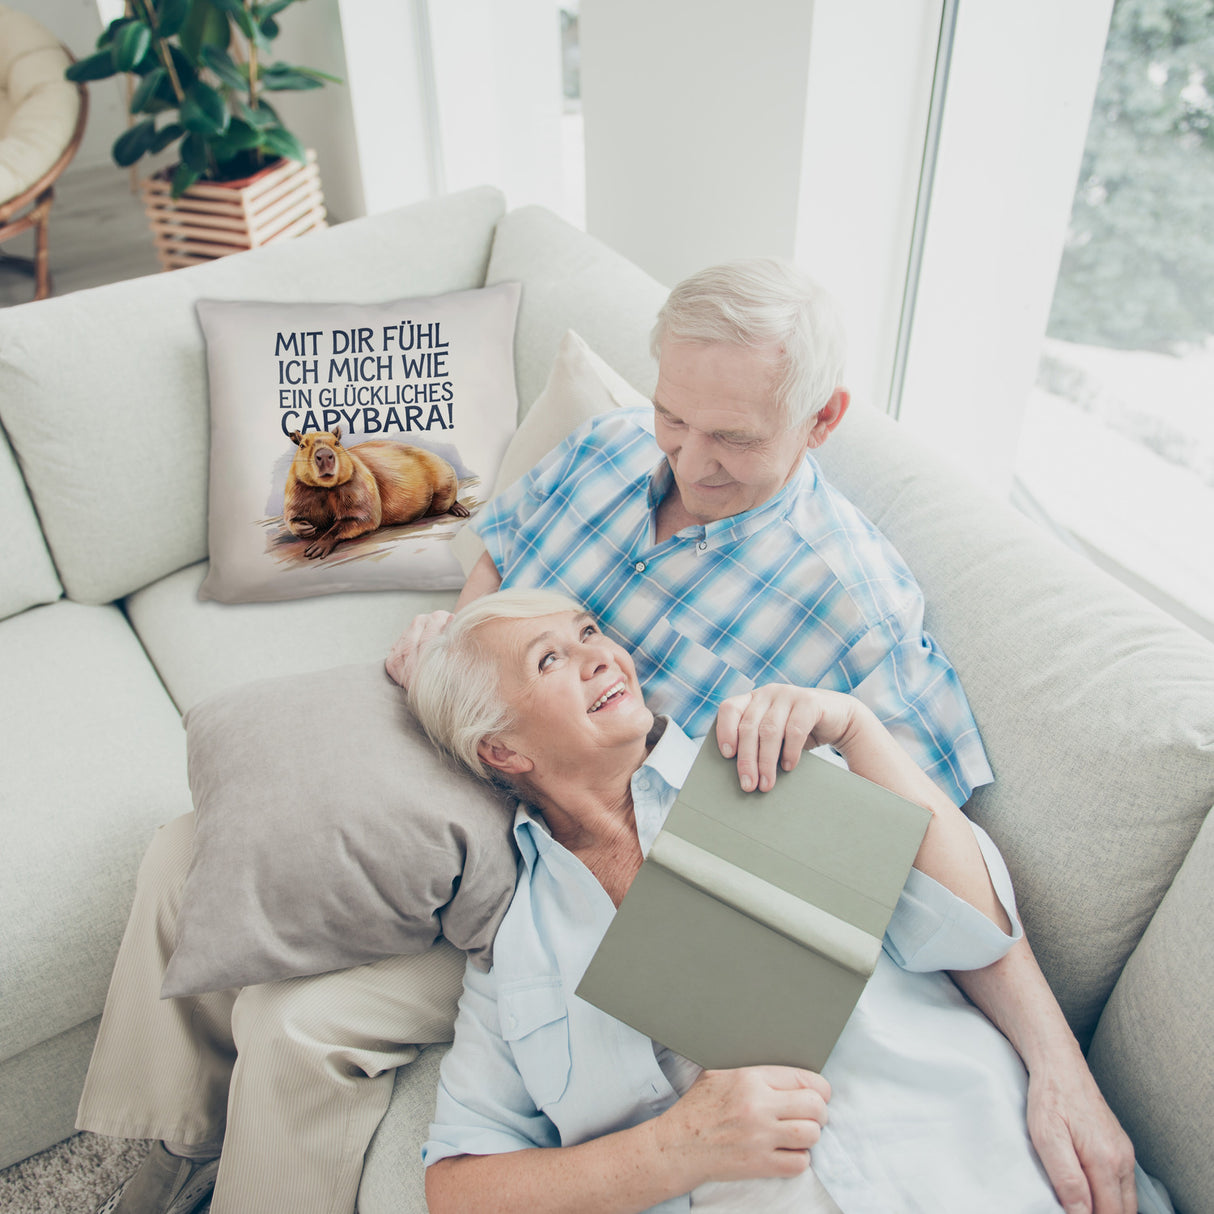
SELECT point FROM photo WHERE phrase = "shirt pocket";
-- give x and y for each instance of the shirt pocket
(535, 1024)
(682, 671)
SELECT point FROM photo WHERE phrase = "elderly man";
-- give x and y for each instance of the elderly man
(552, 1105)
(704, 538)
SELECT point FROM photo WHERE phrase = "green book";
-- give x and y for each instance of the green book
(757, 918)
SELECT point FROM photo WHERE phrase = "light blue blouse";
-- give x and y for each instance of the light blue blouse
(928, 1104)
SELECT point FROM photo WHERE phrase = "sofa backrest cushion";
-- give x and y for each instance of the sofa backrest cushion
(29, 574)
(1153, 1054)
(1097, 711)
(104, 392)
(572, 281)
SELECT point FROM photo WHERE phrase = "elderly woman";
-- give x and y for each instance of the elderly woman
(546, 1103)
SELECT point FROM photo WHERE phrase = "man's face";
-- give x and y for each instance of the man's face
(716, 420)
(573, 691)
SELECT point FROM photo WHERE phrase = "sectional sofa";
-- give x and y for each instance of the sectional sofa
(1097, 711)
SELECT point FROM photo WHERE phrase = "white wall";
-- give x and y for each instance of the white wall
(694, 126)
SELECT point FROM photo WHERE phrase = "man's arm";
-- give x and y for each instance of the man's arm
(1087, 1155)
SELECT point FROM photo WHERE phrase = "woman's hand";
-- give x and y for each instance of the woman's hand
(772, 725)
(400, 663)
(755, 1121)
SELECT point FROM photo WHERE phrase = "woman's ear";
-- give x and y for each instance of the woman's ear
(494, 753)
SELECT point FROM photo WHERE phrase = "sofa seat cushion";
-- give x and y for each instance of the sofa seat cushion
(202, 647)
(572, 281)
(29, 574)
(125, 504)
(1096, 709)
(94, 761)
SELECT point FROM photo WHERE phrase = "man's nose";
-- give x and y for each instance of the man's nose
(697, 457)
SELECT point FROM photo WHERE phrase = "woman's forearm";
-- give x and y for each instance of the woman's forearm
(620, 1173)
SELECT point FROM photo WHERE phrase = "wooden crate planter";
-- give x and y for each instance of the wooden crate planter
(215, 218)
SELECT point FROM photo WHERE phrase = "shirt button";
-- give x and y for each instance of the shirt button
(639, 566)
(702, 545)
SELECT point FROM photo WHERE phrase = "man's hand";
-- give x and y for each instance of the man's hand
(770, 727)
(1086, 1154)
(737, 1124)
(400, 662)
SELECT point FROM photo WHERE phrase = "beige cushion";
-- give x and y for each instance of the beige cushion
(39, 108)
(1153, 1053)
(580, 386)
(1096, 709)
(112, 426)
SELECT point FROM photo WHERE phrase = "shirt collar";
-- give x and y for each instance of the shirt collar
(737, 526)
(655, 784)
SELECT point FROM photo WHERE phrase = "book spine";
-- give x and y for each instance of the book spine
(802, 922)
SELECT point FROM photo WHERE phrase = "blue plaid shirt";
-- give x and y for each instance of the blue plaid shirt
(802, 589)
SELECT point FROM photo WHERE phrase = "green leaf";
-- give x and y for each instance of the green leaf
(317, 74)
(131, 44)
(241, 137)
(194, 153)
(132, 144)
(205, 26)
(171, 16)
(166, 135)
(272, 9)
(183, 178)
(95, 67)
(225, 67)
(203, 111)
(280, 77)
(108, 34)
(281, 142)
(269, 29)
(144, 97)
(187, 73)
(262, 118)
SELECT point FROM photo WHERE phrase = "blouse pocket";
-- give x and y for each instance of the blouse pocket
(535, 1023)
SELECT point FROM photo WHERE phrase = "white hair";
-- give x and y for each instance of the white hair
(763, 303)
(454, 691)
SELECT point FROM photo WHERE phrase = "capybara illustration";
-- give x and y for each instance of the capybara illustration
(334, 494)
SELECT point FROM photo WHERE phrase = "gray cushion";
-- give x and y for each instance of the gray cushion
(571, 281)
(1095, 708)
(200, 648)
(104, 397)
(29, 574)
(1153, 1052)
(329, 833)
(94, 761)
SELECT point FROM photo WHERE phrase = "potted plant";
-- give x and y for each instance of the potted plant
(201, 71)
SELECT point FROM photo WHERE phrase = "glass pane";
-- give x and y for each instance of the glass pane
(1118, 442)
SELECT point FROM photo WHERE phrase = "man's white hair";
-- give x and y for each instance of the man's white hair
(454, 691)
(763, 303)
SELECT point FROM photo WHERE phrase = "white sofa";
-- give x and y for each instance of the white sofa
(1097, 711)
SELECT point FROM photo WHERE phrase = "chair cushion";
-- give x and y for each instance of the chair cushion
(94, 760)
(112, 426)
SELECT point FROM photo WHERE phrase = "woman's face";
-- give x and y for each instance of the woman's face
(573, 692)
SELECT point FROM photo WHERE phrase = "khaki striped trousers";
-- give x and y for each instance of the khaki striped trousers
(293, 1076)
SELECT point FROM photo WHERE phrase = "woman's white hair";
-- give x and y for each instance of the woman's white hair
(763, 303)
(454, 691)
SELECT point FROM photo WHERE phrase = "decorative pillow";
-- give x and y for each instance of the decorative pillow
(329, 833)
(350, 442)
(580, 386)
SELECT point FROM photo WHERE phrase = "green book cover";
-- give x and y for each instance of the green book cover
(755, 921)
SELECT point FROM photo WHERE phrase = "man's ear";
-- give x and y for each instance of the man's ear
(501, 758)
(829, 416)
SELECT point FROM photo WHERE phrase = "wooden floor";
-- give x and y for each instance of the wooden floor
(98, 234)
